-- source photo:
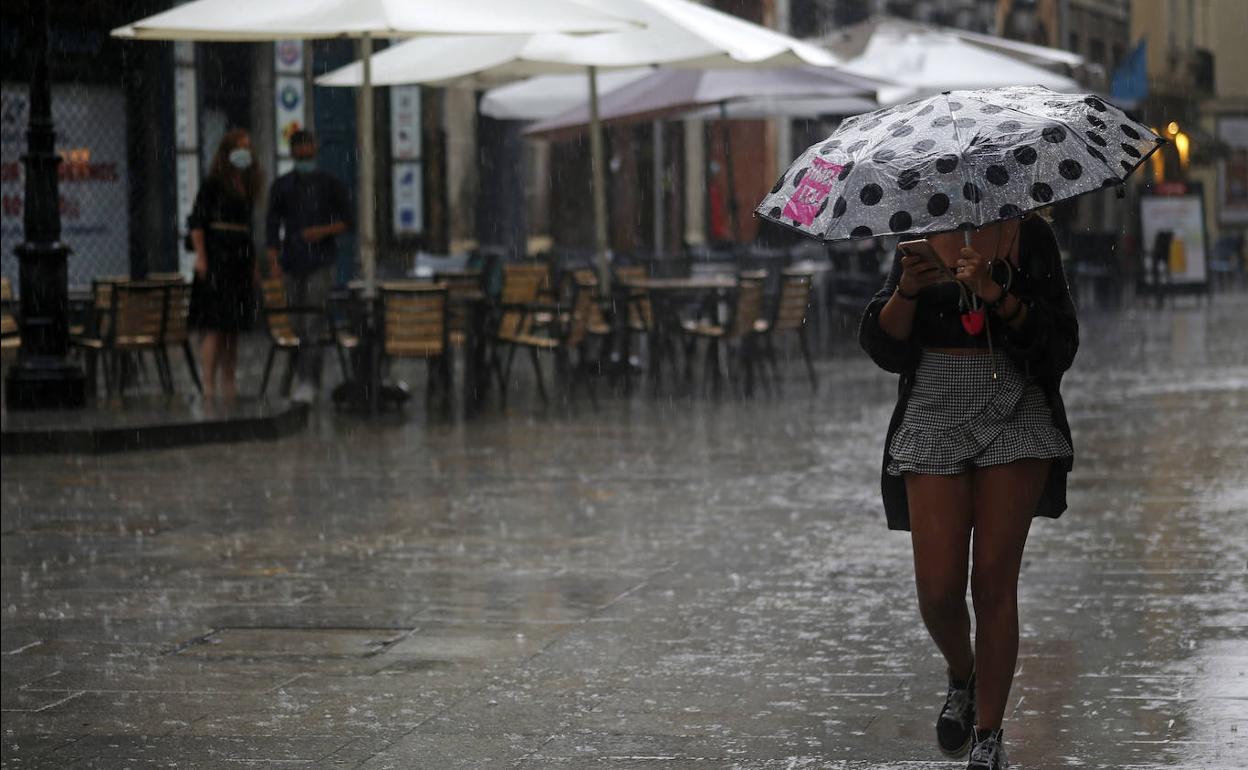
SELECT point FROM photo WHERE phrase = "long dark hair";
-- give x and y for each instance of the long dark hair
(249, 181)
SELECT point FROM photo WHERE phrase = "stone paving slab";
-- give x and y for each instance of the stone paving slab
(665, 583)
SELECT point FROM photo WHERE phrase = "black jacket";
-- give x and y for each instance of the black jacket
(1043, 349)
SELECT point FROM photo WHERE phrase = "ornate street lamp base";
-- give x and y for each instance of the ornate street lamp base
(45, 383)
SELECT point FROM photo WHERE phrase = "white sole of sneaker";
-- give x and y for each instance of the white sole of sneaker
(960, 752)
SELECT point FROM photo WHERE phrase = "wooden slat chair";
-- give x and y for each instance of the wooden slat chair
(585, 323)
(738, 332)
(279, 317)
(517, 322)
(134, 323)
(459, 284)
(177, 331)
(790, 314)
(414, 324)
(10, 332)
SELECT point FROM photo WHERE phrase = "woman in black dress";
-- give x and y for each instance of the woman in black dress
(223, 296)
(978, 445)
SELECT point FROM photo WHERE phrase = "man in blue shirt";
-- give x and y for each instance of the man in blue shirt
(308, 209)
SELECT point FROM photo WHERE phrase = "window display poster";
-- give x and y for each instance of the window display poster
(90, 126)
(290, 111)
(1183, 215)
(1233, 170)
(288, 57)
(405, 122)
(408, 201)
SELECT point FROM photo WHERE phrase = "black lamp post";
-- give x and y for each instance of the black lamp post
(42, 377)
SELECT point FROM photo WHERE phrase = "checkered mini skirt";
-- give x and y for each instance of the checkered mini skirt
(959, 417)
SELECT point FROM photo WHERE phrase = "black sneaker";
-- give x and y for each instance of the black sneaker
(955, 728)
(988, 752)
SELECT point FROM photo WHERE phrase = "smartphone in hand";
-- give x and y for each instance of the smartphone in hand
(919, 248)
(924, 250)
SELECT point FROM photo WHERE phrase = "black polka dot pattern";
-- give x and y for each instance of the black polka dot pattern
(1025, 155)
(871, 194)
(900, 222)
(947, 164)
(956, 160)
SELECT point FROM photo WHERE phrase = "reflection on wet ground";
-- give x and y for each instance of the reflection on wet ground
(664, 583)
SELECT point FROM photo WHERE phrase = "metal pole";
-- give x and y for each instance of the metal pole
(597, 164)
(42, 377)
(659, 188)
(367, 214)
(732, 184)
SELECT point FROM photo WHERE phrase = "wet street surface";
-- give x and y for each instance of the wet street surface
(663, 583)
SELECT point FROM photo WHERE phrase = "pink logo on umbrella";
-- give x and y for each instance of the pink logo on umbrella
(813, 190)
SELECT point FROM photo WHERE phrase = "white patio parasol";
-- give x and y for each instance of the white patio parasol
(264, 20)
(928, 63)
(676, 33)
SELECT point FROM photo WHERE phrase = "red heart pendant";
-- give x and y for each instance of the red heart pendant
(973, 322)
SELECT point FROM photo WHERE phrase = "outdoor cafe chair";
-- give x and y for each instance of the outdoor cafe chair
(737, 333)
(459, 284)
(414, 324)
(133, 323)
(177, 330)
(279, 317)
(789, 314)
(517, 322)
(10, 334)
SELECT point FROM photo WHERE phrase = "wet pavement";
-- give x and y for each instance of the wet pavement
(665, 583)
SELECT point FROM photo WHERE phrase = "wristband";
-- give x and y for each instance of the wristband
(903, 295)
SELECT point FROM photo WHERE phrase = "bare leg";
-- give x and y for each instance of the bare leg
(210, 352)
(229, 365)
(1005, 498)
(940, 533)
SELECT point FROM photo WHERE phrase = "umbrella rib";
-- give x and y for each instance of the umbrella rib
(962, 163)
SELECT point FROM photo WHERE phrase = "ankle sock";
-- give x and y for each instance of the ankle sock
(981, 734)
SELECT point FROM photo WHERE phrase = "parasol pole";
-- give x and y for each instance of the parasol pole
(367, 194)
(597, 162)
(732, 185)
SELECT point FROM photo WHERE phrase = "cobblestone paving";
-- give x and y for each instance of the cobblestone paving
(666, 583)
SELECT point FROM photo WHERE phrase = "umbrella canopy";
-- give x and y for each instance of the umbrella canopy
(669, 91)
(929, 63)
(956, 161)
(796, 107)
(235, 21)
(849, 42)
(675, 33)
(546, 96)
(241, 22)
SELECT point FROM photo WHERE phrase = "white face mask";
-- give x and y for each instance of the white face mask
(240, 158)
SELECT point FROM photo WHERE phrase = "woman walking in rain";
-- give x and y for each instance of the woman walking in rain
(978, 444)
(978, 322)
(223, 295)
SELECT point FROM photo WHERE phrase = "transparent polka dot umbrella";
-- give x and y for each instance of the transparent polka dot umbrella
(958, 160)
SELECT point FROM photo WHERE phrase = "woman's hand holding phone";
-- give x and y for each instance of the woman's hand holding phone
(920, 268)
